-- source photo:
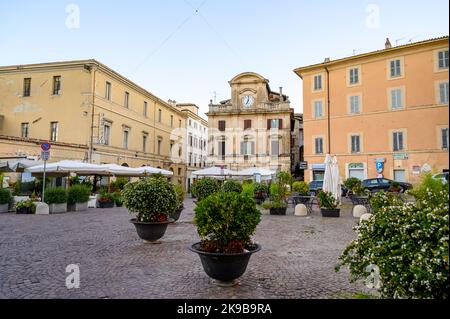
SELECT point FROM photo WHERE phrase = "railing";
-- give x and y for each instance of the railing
(267, 106)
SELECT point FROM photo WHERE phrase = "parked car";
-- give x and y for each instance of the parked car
(442, 176)
(383, 184)
(315, 187)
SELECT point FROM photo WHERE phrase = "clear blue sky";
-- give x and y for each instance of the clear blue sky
(176, 53)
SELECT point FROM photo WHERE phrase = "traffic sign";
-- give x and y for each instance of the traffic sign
(303, 165)
(45, 155)
(45, 147)
(379, 166)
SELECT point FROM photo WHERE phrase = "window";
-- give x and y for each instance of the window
(171, 121)
(27, 87)
(354, 76)
(125, 139)
(443, 59)
(247, 124)
(396, 68)
(399, 175)
(190, 123)
(221, 150)
(319, 145)
(355, 144)
(159, 115)
(444, 137)
(317, 82)
(106, 133)
(108, 91)
(24, 127)
(222, 126)
(397, 138)
(57, 85)
(443, 93)
(354, 104)
(127, 99)
(190, 140)
(275, 148)
(274, 123)
(144, 143)
(171, 147)
(145, 108)
(247, 148)
(159, 146)
(318, 109)
(190, 159)
(396, 99)
(53, 131)
(179, 123)
(356, 170)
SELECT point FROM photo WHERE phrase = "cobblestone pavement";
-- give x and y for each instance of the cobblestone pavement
(296, 261)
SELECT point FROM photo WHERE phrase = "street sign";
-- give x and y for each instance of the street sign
(379, 166)
(45, 147)
(303, 165)
(45, 155)
(400, 156)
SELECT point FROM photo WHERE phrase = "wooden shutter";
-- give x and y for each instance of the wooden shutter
(247, 124)
(269, 124)
(222, 126)
(280, 124)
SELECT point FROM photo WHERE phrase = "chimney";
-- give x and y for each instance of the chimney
(281, 94)
(326, 60)
(388, 44)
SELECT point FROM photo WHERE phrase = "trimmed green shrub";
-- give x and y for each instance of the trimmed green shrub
(5, 196)
(78, 193)
(261, 190)
(300, 187)
(151, 199)
(180, 195)
(248, 189)
(408, 243)
(352, 182)
(55, 195)
(232, 186)
(226, 221)
(205, 187)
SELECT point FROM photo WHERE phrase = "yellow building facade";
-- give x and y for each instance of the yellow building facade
(88, 112)
(389, 106)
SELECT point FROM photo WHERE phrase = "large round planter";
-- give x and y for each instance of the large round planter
(224, 267)
(176, 214)
(326, 212)
(151, 231)
(278, 211)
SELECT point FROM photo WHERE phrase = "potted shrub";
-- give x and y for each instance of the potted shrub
(328, 205)
(5, 199)
(225, 222)
(232, 186)
(25, 207)
(279, 193)
(56, 198)
(205, 187)
(105, 199)
(180, 202)
(260, 193)
(118, 199)
(78, 197)
(152, 200)
(300, 188)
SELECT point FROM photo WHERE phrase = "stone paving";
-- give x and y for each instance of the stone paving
(296, 261)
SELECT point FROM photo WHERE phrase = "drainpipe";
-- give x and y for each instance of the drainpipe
(91, 146)
(328, 110)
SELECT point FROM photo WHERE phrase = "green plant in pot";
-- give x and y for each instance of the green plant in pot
(226, 222)
(105, 199)
(152, 200)
(180, 202)
(354, 186)
(279, 193)
(78, 197)
(56, 198)
(118, 199)
(301, 188)
(5, 199)
(205, 187)
(25, 207)
(328, 204)
(260, 192)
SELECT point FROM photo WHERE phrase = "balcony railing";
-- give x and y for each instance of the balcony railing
(267, 106)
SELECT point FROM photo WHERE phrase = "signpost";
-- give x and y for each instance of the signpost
(45, 155)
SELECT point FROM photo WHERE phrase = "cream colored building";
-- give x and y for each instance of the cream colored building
(388, 106)
(253, 128)
(88, 112)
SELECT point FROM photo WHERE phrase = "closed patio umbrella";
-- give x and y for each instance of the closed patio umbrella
(328, 177)
(336, 180)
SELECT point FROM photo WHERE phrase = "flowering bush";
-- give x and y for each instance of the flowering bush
(226, 221)
(152, 199)
(408, 243)
(382, 199)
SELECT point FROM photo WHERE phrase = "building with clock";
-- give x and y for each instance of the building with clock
(252, 128)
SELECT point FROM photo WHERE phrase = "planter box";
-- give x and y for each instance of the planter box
(105, 204)
(330, 212)
(278, 211)
(58, 208)
(4, 208)
(77, 207)
(24, 210)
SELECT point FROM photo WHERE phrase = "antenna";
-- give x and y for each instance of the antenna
(396, 41)
(355, 50)
(410, 40)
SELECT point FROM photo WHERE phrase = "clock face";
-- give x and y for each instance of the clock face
(248, 100)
